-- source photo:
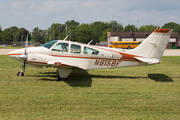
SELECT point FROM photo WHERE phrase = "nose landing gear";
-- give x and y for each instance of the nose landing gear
(21, 73)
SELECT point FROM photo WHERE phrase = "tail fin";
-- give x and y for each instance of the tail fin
(154, 45)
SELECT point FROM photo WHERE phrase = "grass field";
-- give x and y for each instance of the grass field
(146, 92)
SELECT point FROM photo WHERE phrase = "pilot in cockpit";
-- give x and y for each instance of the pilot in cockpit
(64, 48)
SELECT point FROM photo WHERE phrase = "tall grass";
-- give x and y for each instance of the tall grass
(146, 92)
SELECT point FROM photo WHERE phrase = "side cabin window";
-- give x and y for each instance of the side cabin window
(61, 47)
(75, 48)
(90, 51)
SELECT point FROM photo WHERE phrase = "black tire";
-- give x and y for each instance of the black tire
(20, 73)
(129, 47)
(60, 78)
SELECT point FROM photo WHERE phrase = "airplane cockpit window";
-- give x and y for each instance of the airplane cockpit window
(90, 51)
(75, 48)
(50, 44)
(61, 47)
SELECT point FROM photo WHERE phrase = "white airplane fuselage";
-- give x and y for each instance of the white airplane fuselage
(106, 58)
(66, 55)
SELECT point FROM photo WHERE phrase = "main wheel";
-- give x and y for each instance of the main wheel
(63, 73)
(61, 79)
(129, 47)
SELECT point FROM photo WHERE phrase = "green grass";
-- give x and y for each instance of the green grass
(146, 92)
(9, 47)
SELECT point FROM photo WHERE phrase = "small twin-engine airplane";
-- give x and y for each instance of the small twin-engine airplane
(67, 55)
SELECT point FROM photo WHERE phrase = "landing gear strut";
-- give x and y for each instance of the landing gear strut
(21, 73)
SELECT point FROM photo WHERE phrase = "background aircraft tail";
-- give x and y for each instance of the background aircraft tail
(154, 45)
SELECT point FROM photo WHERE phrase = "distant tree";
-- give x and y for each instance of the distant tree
(104, 35)
(37, 35)
(70, 29)
(147, 28)
(129, 28)
(115, 26)
(172, 25)
(97, 30)
(14, 34)
(48, 35)
(18, 37)
(23, 34)
(72, 23)
(76, 31)
(0, 33)
(0, 29)
(55, 31)
(83, 35)
(6, 36)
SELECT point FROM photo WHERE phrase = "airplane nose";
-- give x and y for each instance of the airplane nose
(11, 53)
(15, 53)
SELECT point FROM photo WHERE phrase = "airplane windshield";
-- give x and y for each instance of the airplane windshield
(50, 44)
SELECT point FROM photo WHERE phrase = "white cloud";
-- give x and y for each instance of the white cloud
(93, 3)
(16, 5)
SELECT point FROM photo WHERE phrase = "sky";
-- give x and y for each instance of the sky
(29, 14)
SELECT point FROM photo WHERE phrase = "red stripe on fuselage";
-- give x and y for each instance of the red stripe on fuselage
(14, 54)
(37, 62)
(125, 57)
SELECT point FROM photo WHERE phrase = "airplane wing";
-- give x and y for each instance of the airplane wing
(49, 60)
(60, 63)
(148, 60)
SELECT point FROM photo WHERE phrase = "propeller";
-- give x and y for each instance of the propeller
(24, 56)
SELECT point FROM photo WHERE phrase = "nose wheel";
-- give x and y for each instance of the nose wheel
(20, 73)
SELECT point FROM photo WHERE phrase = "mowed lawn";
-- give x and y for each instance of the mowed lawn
(145, 92)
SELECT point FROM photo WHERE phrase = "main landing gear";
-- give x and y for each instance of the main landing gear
(63, 73)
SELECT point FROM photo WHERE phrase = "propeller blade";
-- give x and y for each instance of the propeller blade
(25, 52)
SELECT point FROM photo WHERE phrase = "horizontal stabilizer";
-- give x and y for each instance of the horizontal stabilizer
(148, 60)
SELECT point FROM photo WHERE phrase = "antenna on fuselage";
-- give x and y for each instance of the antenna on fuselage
(90, 42)
(65, 38)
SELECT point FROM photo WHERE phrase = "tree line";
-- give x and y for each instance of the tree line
(77, 32)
